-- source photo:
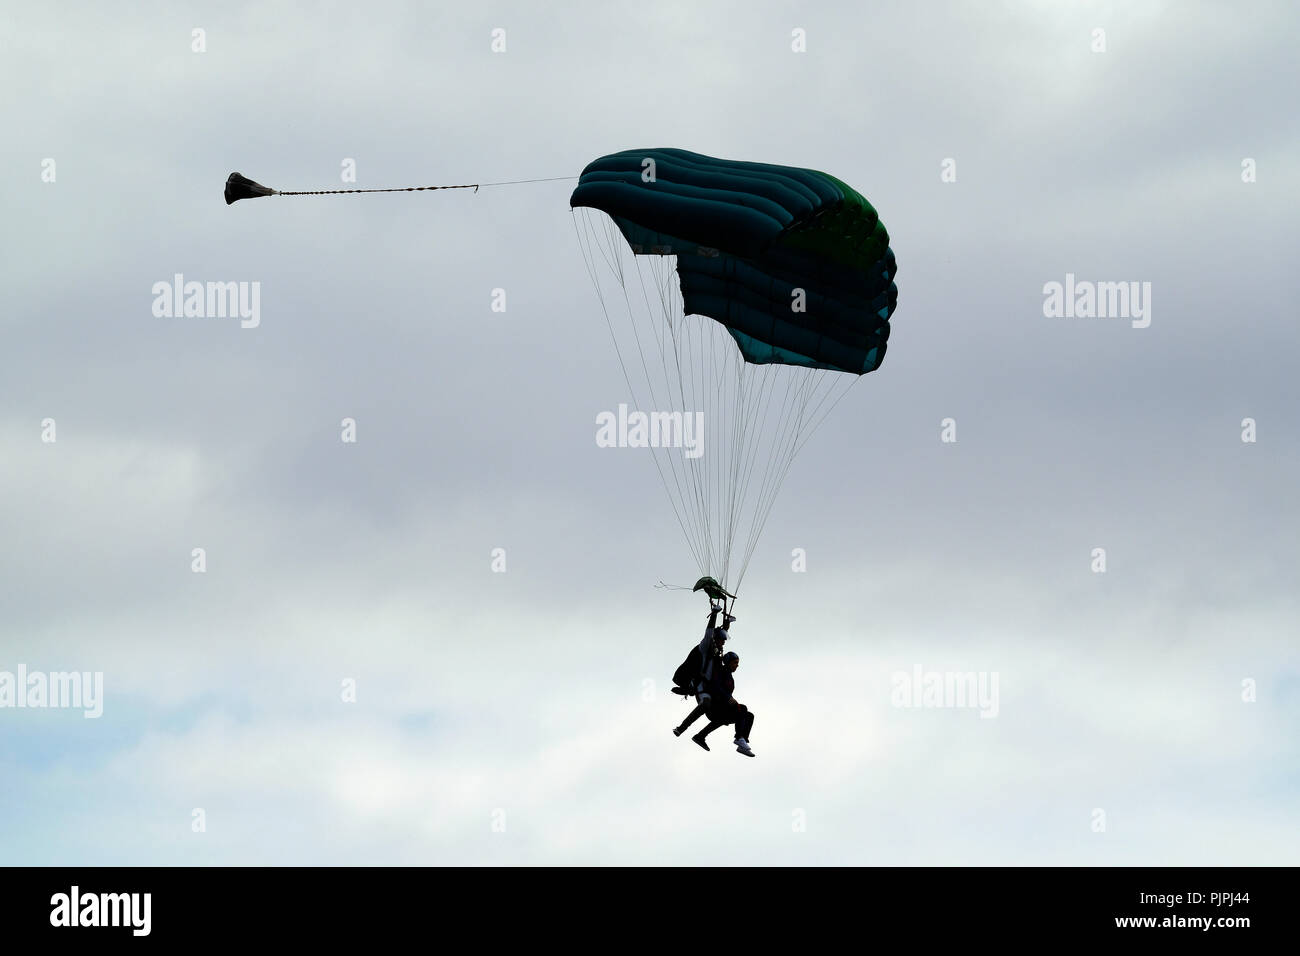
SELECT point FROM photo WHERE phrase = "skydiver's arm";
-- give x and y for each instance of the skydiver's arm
(706, 645)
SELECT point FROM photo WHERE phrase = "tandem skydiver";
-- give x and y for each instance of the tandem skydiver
(700, 665)
(723, 708)
(704, 672)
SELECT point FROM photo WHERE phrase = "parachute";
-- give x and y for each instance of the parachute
(714, 590)
(783, 295)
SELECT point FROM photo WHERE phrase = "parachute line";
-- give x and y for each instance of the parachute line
(757, 416)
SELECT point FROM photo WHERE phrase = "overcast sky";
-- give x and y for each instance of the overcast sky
(1146, 714)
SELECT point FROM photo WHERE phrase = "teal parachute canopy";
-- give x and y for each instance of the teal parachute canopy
(746, 236)
(744, 300)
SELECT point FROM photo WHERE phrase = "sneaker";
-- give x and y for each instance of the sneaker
(742, 746)
(700, 740)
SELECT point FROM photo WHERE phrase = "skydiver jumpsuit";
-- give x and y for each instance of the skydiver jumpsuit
(710, 661)
(725, 710)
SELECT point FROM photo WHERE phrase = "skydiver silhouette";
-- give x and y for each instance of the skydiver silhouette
(724, 708)
(710, 662)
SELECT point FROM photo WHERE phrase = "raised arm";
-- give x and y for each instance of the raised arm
(706, 645)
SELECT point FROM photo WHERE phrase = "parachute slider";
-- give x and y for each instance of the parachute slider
(713, 589)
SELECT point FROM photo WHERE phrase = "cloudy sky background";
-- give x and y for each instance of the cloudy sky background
(525, 693)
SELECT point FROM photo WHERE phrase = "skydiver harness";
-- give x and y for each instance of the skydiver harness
(690, 675)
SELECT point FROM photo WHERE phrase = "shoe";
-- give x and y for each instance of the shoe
(742, 746)
(700, 740)
(678, 731)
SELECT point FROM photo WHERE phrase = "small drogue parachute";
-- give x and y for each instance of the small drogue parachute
(241, 187)
(792, 265)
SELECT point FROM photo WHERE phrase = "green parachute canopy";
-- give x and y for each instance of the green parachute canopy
(746, 236)
(793, 276)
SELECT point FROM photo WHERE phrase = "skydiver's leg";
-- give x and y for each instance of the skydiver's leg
(744, 723)
(709, 728)
(699, 738)
(691, 718)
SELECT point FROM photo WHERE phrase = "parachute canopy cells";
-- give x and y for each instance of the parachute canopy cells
(746, 236)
